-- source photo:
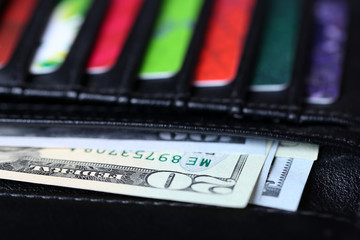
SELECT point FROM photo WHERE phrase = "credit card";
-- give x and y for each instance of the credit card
(328, 51)
(61, 31)
(224, 42)
(274, 67)
(113, 34)
(170, 41)
(13, 21)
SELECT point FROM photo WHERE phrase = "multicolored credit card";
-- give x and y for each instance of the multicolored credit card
(61, 31)
(224, 42)
(328, 51)
(113, 34)
(12, 24)
(274, 67)
(170, 41)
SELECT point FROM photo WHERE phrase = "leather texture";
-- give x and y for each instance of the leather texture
(328, 210)
(330, 206)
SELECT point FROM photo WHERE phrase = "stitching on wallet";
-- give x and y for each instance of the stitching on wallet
(155, 96)
(328, 114)
(99, 200)
(274, 106)
(250, 105)
(306, 213)
(205, 100)
(137, 121)
(171, 204)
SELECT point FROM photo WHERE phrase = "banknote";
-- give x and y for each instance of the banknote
(285, 184)
(297, 150)
(260, 184)
(115, 139)
(218, 179)
(279, 174)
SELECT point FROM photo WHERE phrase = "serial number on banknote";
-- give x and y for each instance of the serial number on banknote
(202, 159)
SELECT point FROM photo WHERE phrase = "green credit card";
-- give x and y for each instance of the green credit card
(274, 67)
(171, 38)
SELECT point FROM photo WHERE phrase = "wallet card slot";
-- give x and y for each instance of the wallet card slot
(327, 51)
(183, 84)
(165, 91)
(119, 80)
(232, 96)
(296, 90)
(15, 72)
(245, 71)
(286, 104)
(66, 80)
(344, 110)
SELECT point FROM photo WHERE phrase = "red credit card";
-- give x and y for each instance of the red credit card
(224, 42)
(16, 15)
(114, 31)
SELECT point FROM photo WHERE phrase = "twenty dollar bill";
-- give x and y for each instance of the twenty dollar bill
(219, 179)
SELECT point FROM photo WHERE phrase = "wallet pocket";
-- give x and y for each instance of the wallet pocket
(344, 110)
(120, 86)
(331, 188)
(117, 101)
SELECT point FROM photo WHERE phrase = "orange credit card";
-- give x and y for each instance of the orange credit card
(224, 42)
(16, 15)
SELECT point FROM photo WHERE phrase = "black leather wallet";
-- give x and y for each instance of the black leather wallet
(330, 206)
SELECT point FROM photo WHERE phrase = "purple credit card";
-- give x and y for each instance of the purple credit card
(328, 50)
